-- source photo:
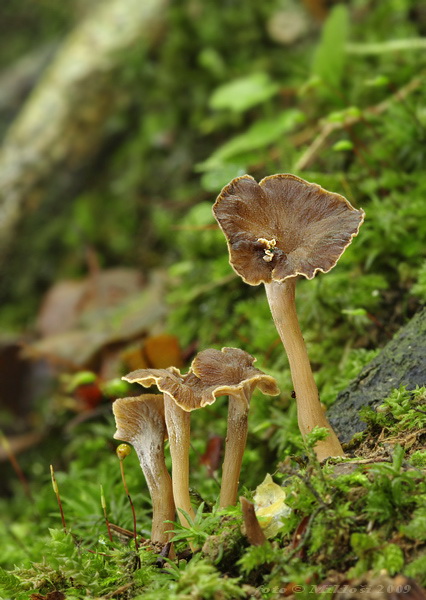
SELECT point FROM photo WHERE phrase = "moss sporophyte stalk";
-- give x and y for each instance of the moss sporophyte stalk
(123, 451)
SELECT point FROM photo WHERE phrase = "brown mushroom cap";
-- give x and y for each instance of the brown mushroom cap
(213, 373)
(284, 226)
(227, 371)
(132, 414)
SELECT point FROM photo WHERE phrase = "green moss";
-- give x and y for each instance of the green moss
(402, 411)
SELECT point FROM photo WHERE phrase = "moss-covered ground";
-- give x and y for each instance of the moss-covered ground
(342, 105)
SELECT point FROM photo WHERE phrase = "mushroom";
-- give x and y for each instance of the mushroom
(179, 401)
(140, 421)
(252, 528)
(213, 373)
(231, 372)
(277, 230)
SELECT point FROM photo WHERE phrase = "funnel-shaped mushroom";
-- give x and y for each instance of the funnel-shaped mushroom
(277, 230)
(179, 400)
(140, 421)
(231, 372)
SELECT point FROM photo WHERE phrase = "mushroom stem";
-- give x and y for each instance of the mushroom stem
(178, 427)
(151, 457)
(236, 437)
(281, 298)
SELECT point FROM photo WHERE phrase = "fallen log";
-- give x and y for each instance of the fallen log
(401, 362)
(61, 125)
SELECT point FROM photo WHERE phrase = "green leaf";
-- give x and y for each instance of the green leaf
(355, 312)
(378, 81)
(217, 178)
(340, 116)
(262, 133)
(342, 146)
(243, 93)
(329, 58)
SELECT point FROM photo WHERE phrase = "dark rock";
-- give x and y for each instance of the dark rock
(401, 362)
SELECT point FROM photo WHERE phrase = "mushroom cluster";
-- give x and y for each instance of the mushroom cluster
(277, 231)
(145, 421)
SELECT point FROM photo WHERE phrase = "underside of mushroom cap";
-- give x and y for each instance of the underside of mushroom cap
(227, 371)
(185, 390)
(134, 414)
(283, 227)
(151, 377)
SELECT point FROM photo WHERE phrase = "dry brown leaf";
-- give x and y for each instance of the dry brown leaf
(67, 301)
(114, 315)
(162, 351)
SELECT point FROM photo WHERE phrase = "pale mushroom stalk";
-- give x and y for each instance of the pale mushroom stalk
(179, 430)
(151, 458)
(281, 298)
(236, 436)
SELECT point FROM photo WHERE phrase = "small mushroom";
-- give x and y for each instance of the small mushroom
(179, 400)
(277, 230)
(252, 528)
(140, 421)
(231, 372)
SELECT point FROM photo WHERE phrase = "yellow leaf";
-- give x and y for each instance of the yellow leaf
(270, 506)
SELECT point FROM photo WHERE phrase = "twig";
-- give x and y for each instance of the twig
(328, 128)
(407, 439)
(58, 497)
(22, 442)
(123, 532)
(305, 534)
(119, 590)
(13, 461)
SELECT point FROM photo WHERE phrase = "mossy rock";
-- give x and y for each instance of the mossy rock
(401, 362)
